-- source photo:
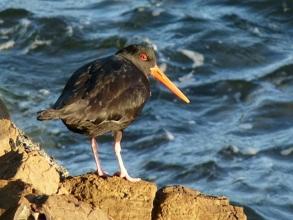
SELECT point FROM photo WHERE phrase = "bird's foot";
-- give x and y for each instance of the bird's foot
(102, 173)
(126, 176)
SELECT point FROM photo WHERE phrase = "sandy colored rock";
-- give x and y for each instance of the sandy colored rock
(178, 202)
(21, 159)
(11, 193)
(19, 201)
(68, 207)
(8, 136)
(56, 207)
(30, 189)
(31, 167)
(119, 198)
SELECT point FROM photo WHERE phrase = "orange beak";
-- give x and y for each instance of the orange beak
(159, 75)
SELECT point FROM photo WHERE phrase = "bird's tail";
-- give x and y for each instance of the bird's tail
(49, 114)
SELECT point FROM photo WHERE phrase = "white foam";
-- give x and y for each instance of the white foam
(246, 126)
(44, 92)
(234, 149)
(157, 12)
(163, 67)
(27, 93)
(6, 31)
(186, 77)
(36, 43)
(256, 31)
(191, 122)
(25, 22)
(141, 9)
(286, 152)
(24, 105)
(197, 58)
(7, 45)
(69, 31)
(55, 130)
(285, 7)
(251, 151)
(169, 135)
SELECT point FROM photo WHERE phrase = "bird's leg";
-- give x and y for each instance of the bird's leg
(117, 148)
(95, 148)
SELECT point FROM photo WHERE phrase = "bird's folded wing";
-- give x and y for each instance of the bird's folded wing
(113, 89)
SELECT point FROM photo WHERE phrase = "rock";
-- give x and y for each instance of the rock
(119, 198)
(30, 189)
(31, 167)
(11, 191)
(21, 159)
(57, 207)
(178, 202)
(18, 200)
(54, 208)
(8, 136)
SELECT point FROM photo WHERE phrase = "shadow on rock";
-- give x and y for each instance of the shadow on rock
(10, 163)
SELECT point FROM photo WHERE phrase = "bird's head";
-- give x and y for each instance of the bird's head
(143, 56)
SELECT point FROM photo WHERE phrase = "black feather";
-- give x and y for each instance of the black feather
(104, 95)
(48, 114)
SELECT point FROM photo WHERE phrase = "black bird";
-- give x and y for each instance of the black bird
(106, 95)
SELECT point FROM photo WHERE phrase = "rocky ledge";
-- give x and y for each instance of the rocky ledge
(33, 186)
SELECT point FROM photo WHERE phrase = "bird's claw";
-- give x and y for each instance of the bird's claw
(127, 177)
(131, 179)
(102, 173)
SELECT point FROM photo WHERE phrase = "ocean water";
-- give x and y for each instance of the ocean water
(233, 59)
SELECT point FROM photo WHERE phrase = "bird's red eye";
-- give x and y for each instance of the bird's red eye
(143, 57)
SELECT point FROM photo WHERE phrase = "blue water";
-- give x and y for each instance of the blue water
(233, 59)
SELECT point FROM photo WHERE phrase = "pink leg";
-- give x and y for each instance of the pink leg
(95, 148)
(117, 148)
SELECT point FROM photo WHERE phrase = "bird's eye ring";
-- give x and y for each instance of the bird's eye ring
(143, 57)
